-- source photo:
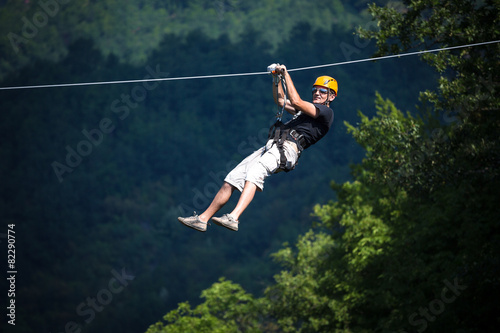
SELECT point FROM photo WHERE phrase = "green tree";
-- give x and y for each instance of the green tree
(466, 99)
(340, 279)
(411, 245)
(227, 308)
(414, 240)
(132, 29)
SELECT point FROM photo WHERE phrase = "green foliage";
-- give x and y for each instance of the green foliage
(298, 298)
(469, 75)
(132, 29)
(419, 223)
(387, 140)
(168, 152)
(118, 206)
(411, 245)
(393, 254)
(227, 308)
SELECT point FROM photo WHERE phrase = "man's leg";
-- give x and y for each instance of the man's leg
(245, 198)
(221, 198)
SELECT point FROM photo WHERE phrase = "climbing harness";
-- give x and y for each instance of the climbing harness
(277, 132)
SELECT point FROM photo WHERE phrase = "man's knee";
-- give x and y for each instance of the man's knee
(227, 186)
(250, 184)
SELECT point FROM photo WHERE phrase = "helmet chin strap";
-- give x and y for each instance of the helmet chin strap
(327, 102)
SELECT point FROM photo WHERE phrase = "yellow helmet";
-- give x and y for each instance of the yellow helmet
(327, 82)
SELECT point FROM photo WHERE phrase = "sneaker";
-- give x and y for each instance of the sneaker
(226, 221)
(194, 222)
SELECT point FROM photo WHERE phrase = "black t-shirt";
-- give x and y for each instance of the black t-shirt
(313, 129)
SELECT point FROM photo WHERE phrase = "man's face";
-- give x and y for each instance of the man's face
(320, 95)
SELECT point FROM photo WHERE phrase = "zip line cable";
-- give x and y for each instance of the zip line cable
(243, 74)
(395, 56)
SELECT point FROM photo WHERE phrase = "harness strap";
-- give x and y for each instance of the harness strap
(279, 135)
(281, 140)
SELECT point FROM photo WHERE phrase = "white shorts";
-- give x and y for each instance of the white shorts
(261, 164)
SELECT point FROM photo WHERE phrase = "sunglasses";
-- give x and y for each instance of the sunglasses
(323, 91)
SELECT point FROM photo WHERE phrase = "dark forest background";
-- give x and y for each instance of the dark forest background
(94, 177)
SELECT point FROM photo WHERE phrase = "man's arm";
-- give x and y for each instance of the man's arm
(294, 101)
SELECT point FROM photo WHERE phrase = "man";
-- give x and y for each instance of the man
(311, 122)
